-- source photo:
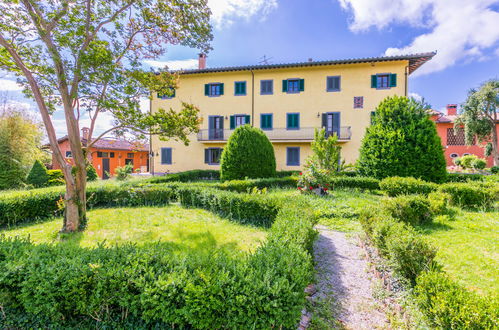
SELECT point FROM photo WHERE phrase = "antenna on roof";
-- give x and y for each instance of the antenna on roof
(265, 60)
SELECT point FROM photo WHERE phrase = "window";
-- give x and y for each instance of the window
(266, 121)
(166, 156)
(216, 127)
(69, 154)
(293, 121)
(129, 155)
(266, 87)
(293, 156)
(165, 97)
(384, 80)
(240, 88)
(239, 120)
(454, 139)
(214, 89)
(212, 156)
(454, 155)
(358, 102)
(129, 161)
(466, 154)
(293, 85)
(331, 121)
(111, 155)
(106, 154)
(333, 84)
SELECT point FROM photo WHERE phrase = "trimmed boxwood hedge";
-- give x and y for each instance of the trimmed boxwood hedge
(187, 176)
(359, 182)
(152, 286)
(245, 185)
(471, 195)
(396, 185)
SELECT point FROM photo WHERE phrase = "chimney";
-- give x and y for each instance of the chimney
(84, 133)
(451, 109)
(202, 61)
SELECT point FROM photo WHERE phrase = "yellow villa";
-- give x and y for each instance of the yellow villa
(287, 101)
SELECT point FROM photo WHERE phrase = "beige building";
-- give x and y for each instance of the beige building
(287, 101)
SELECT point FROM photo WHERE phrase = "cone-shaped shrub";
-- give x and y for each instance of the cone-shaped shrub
(402, 141)
(248, 153)
(38, 176)
(91, 173)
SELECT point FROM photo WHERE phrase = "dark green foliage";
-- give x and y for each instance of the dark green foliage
(464, 177)
(411, 209)
(259, 210)
(402, 141)
(406, 250)
(248, 154)
(284, 174)
(447, 305)
(151, 286)
(358, 182)
(187, 176)
(470, 195)
(247, 185)
(38, 176)
(396, 185)
(494, 170)
(91, 173)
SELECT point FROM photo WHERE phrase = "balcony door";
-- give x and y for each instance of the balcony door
(216, 127)
(331, 122)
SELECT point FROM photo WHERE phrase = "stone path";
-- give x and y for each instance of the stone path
(342, 273)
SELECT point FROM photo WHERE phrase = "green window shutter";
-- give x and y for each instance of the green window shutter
(247, 119)
(297, 120)
(284, 86)
(206, 89)
(222, 89)
(232, 122)
(206, 156)
(243, 88)
(393, 80)
(374, 81)
(302, 85)
(236, 88)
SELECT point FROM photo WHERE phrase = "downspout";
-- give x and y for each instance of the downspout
(252, 98)
(151, 153)
(406, 79)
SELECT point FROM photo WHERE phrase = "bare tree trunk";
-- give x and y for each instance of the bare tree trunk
(495, 146)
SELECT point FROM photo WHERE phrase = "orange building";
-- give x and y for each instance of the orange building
(107, 154)
(454, 142)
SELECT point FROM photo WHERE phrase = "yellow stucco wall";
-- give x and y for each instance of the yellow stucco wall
(314, 100)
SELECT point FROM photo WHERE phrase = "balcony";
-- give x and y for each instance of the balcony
(304, 134)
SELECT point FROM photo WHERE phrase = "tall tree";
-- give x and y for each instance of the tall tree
(20, 137)
(86, 55)
(479, 117)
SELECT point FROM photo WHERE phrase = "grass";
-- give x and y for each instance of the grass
(185, 228)
(339, 209)
(468, 248)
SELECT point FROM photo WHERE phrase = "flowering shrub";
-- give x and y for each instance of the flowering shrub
(313, 178)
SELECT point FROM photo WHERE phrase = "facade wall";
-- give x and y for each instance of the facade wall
(460, 150)
(140, 159)
(310, 103)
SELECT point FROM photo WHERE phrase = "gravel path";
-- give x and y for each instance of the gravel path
(342, 274)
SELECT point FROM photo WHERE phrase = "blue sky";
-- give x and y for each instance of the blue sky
(464, 33)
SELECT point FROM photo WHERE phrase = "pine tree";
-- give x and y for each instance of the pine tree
(38, 176)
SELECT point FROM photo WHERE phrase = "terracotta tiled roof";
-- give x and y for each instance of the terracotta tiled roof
(115, 144)
(415, 61)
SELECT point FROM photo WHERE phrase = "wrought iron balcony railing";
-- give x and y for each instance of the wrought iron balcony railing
(277, 134)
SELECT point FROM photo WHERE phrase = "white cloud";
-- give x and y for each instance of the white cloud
(225, 12)
(9, 85)
(416, 96)
(457, 29)
(191, 63)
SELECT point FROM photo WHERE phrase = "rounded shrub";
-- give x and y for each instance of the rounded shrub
(411, 209)
(248, 154)
(38, 176)
(395, 186)
(402, 141)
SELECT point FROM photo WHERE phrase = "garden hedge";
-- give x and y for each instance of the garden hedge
(187, 176)
(464, 177)
(152, 286)
(394, 186)
(471, 195)
(246, 185)
(359, 182)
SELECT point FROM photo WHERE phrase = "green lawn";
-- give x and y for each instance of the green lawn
(468, 247)
(185, 228)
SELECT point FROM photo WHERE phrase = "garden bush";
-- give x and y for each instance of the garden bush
(91, 173)
(396, 185)
(448, 305)
(411, 209)
(38, 176)
(152, 286)
(464, 177)
(494, 170)
(248, 154)
(56, 178)
(247, 185)
(402, 141)
(187, 176)
(470, 195)
(358, 182)
(439, 202)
